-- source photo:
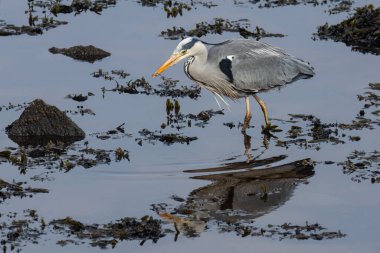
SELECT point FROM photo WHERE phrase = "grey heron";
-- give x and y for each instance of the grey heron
(238, 68)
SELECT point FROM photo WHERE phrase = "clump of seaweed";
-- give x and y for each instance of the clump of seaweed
(168, 139)
(178, 120)
(311, 135)
(111, 233)
(362, 166)
(16, 189)
(167, 87)
(174, 8)
(79, 97)
(21, 230)
(341, 6)
(60, 156)
(360, 31)
(363, 119)
(317, 132)
(80, 110)
(15, 107)
(116, 133)
(115, 74)
(338, 5)
(218, 26)
(285, 231)
(36, 26)
(16, 232)
(41, 15)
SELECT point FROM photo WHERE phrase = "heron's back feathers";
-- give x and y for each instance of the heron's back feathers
(251, 66)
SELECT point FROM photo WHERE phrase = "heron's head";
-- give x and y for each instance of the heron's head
(186, 48)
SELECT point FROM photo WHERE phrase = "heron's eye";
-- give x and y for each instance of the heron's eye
(183, 52)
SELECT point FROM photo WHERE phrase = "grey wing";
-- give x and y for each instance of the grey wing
(254, 66)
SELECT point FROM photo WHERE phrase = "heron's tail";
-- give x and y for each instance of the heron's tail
(304, 68)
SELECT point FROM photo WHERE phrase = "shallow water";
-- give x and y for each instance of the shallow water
(155, 172)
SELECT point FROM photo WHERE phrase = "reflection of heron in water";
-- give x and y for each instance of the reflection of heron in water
(240, 195)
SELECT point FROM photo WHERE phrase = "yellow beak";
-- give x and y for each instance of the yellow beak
(171, 61)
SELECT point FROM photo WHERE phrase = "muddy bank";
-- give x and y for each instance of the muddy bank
(360, 31)
(82, 53)
(218, 26)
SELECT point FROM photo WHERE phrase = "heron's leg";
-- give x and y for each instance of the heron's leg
(263, 108)
(247, 108)
(248, 116)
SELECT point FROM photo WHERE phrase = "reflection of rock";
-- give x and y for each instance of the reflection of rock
(40, 123)
(82, 53)
(248, 194)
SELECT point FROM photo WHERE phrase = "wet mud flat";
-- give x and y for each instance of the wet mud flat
(237, 192)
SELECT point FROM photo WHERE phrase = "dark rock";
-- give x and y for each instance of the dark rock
(41, 122)
(82, 53)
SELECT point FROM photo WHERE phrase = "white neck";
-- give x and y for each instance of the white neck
(200, 53)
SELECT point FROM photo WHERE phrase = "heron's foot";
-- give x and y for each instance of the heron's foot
(268, 129)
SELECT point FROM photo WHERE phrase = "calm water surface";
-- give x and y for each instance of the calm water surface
(155, 172)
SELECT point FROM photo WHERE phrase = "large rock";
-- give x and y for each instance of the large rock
(40, 123)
